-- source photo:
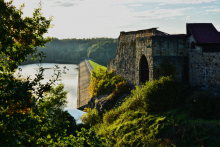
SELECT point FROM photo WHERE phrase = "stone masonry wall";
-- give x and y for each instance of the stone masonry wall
(204, 67)
(144, 47)
(155, 48)
(124, 63)
(173, 45)
(125, 56)
(180, 63)
(201, 68)
(111, 65)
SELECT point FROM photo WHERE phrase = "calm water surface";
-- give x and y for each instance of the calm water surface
(70, 80)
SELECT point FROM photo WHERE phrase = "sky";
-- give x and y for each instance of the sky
(107, 18)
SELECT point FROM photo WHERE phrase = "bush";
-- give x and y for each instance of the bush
(121, 88)
(103, 82)
(164, 94)
(92, 116)
(200, 104)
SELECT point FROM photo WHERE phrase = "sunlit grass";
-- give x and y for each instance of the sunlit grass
(96, 65)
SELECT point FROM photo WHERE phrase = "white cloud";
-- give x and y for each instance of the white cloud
(169, 18)
(135, 5)
(160, 13)
(215, 10)
(119, 2)
(188, 17)
(208, 7)
(188, 1)
(65, 4)
(157, 7)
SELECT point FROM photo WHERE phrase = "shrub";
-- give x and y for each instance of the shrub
(103, 82)
(111, 116)
(121, 87)
(200, 104)
(91, 117)
(163, 94)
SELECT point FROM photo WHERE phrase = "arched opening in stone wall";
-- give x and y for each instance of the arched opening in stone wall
(144, 70)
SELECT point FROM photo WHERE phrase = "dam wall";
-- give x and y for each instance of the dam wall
(84, 74)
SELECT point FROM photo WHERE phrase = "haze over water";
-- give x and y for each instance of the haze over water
(70, 80)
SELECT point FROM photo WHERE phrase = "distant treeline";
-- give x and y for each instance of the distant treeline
(99, 50)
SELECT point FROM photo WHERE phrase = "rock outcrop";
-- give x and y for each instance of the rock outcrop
(102, 103)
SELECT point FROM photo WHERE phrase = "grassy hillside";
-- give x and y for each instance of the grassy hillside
(96, 65)
(165, 112)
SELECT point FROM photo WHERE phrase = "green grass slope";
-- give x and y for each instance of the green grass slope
(161, 113)
(96, 65)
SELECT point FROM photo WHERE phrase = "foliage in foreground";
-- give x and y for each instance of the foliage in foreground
(158, 114)
(25, 119)
(55, 98)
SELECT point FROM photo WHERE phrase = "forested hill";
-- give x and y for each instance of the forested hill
(99, 50)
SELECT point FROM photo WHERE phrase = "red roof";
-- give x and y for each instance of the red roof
(203, 32)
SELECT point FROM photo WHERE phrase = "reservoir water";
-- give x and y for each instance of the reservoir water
(70, 80)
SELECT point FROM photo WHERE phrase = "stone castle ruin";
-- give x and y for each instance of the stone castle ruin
(195, 55)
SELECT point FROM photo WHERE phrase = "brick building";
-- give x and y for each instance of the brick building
(196, 55)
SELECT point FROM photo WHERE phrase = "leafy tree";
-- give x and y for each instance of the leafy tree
(56, 98)
(72, 50)
(22, 123)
